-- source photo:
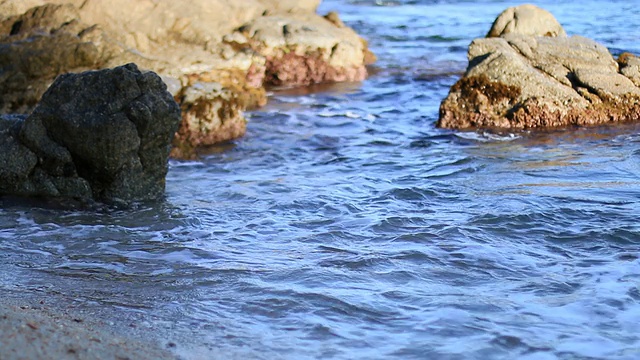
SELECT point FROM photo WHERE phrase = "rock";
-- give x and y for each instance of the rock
(210, 114)
(518, 81)
(99, 135)
(162, 24)
(16, 160)
(630, 67)
(526, 19)
(190, 44)
(212, 110)
(40, 44)
(291, 6)
(163, 35)
(304, 49)
(10, 8)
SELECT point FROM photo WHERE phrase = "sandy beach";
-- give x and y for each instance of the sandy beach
(31, 331)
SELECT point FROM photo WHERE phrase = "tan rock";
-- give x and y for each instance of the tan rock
(304, 49)
(10, 8)
(291, 6)
(210, 114)
(162, 30)
(630, 67)
(526, 19)
(520, 81)
(278, 42)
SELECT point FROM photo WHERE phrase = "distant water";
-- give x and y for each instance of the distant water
(346, 226)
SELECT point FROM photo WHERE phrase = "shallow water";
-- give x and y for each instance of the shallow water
(346, 226)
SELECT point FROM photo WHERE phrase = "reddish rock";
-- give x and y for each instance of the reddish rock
(297, 70)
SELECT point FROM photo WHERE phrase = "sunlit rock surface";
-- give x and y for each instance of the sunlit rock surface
(521, 81)
(258, 42)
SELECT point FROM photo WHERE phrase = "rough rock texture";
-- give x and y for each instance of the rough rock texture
(210, 114)
(156, 21)
(39, 45)
(10, 8)
(305, 49)
(292, 6)
(526, 19)
(100, 135)
(630, 67)
(258, 42)
(520, 81)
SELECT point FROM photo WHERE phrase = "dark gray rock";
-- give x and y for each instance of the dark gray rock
(16, 160)
(100, 135)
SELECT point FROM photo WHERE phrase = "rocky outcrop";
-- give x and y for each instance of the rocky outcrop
(41, 44)
(241, 45)
(305, 49)
(522, 81)
(292, 6)
(100, 135)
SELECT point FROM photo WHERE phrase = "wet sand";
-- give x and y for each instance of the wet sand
(37, 332)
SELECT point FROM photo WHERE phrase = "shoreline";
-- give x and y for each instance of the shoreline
(48, 331)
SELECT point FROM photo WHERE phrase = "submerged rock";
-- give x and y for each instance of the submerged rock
(521, 81)
(99, 135)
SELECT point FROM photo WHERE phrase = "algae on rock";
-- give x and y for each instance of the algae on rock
(523, 80)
